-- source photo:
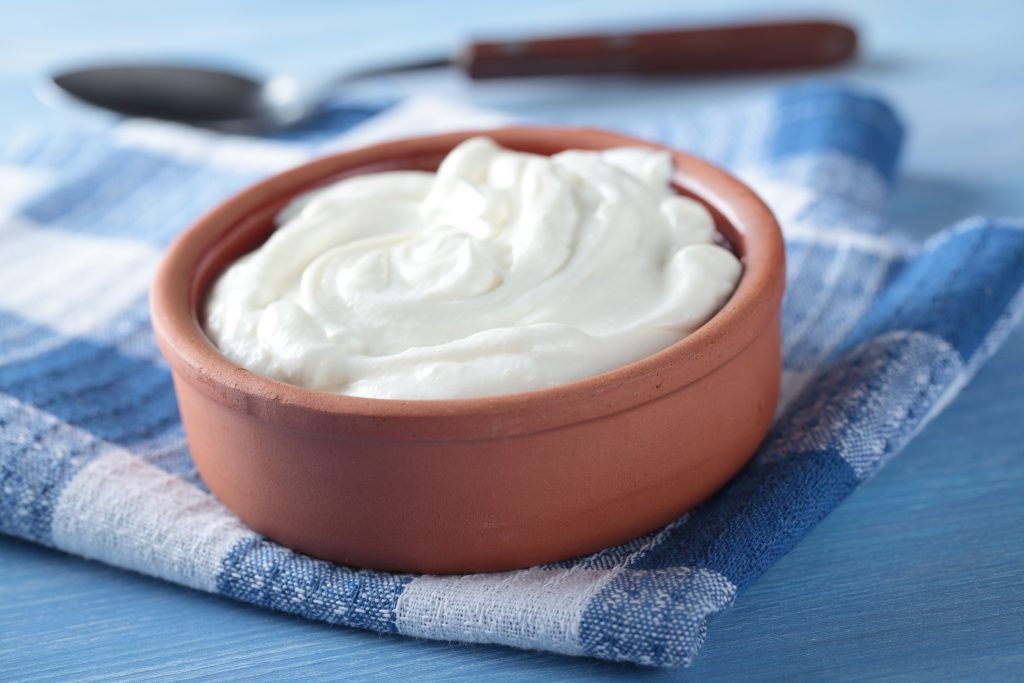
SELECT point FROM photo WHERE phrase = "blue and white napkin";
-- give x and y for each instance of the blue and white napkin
(880, 334)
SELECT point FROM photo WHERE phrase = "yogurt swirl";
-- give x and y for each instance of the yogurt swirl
(502, 272)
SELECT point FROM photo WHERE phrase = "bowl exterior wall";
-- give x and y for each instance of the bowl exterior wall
(439, 506)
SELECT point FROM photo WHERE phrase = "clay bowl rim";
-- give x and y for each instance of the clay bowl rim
(176, 301)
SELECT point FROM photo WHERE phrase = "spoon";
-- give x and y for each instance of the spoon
(234, 102)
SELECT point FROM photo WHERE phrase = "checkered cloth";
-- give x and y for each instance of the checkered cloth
(880, 334)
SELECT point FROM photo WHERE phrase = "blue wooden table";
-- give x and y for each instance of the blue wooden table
(919, 576)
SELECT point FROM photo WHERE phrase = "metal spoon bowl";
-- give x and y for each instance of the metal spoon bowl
(208, 97)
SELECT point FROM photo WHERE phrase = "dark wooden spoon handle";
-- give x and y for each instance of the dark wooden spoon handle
(722, 49)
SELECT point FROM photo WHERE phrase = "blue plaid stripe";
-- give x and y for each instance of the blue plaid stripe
(266, 574)
(39, 455)
(818, 118)
(107, 198)
(94, 387)
(956, 288)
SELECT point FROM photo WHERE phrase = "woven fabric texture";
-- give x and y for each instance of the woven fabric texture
(880, 333)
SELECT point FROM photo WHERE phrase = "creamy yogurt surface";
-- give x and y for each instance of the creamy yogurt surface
(501, 272)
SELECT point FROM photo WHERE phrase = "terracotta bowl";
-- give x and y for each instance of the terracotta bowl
(481, 484)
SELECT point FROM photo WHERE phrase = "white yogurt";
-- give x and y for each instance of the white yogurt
(502, 272)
